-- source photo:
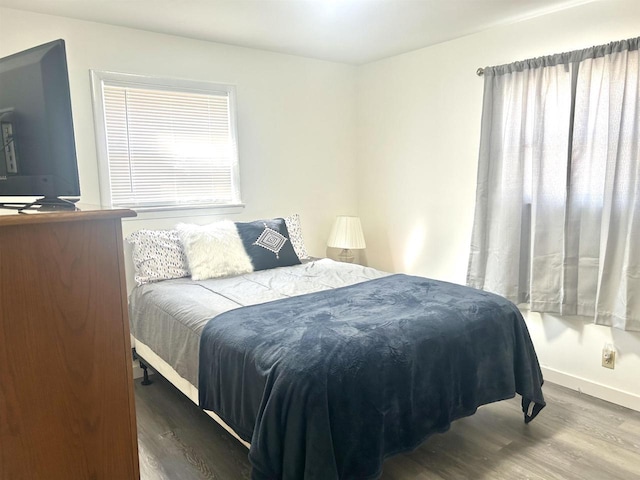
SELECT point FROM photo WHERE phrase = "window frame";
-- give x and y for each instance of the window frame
(99, 78)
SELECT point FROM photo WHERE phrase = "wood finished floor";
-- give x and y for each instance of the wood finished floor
(574, 437)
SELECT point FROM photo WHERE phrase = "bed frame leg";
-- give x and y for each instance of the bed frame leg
(145, 374)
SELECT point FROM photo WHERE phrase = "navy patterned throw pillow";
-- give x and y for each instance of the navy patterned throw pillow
(267, 243)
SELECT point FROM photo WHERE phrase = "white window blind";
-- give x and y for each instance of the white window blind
(168, 146)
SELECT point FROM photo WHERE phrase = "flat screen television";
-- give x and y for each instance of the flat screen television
(37, 144)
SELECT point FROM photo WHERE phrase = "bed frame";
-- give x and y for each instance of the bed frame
(149, 359)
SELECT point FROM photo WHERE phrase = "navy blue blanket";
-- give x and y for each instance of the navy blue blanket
(326, 385)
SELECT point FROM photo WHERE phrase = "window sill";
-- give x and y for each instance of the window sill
(150, 213)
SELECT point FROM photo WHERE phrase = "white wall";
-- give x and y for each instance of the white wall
(418, 129)
(295, 115)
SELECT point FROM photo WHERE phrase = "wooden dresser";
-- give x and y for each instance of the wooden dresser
(66, 390)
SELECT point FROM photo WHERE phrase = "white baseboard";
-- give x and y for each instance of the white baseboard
(582, 385)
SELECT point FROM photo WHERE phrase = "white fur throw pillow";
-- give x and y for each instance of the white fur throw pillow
(214, 250)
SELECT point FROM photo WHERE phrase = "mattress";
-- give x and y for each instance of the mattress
(168, 317)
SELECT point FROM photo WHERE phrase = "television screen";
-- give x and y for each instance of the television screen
(37, 145)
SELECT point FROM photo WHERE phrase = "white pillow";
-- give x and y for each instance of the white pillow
(295, 235)
(214, 250)
(157, 255)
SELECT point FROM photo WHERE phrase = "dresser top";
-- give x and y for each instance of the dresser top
(83, 212)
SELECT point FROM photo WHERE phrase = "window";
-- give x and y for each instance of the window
(557, 204)
(165, 143)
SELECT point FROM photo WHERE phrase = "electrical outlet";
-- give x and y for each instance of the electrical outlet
(608, 357)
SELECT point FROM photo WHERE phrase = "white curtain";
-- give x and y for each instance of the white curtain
(557, 220)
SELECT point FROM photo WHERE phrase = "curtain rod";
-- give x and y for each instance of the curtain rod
(574, 56)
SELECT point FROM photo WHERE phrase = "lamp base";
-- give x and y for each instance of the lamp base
(346, 256)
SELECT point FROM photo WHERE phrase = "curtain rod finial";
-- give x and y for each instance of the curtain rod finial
(480, 71)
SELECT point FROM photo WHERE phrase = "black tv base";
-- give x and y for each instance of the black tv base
(42, 204)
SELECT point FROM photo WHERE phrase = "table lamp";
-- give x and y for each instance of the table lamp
(346, 234)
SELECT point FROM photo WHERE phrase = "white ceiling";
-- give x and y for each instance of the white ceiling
(349, 31)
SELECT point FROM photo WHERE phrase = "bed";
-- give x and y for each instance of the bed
(323, 369)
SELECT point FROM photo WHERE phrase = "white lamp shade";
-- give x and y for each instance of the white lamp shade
(347, 233)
